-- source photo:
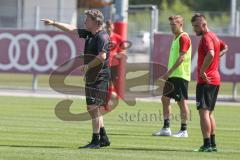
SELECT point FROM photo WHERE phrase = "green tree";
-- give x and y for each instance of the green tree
(208, 5)
(196, 5)
(217, 13)
(174, 8)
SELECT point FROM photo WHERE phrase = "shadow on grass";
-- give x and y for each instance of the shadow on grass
(125, 134)
(29, 146)
(151, 149)
(120, 149)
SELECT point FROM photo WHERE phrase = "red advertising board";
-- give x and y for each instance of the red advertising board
(36, 51)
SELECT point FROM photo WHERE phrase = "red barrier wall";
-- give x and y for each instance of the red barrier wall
(36, 51)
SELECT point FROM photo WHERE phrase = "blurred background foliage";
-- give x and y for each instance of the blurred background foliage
(216, 11)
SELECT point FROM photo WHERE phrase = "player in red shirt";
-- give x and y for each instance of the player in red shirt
(116, 42)
(210, 49)
(116, 53)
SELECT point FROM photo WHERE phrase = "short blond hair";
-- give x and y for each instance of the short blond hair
(95, 15)
(177, 18)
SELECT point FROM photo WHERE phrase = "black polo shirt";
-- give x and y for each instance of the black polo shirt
(95, 44)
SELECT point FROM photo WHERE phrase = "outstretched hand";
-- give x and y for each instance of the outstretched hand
(48, 21)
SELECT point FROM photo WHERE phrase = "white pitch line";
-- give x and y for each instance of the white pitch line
(53, 94)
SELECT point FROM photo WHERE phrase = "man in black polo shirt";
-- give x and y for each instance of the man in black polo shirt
(96, 69)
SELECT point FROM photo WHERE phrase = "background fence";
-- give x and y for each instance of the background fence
(17, 33)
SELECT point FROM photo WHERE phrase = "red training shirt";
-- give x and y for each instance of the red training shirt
(184, 43)
(115, 48)
(209, 42)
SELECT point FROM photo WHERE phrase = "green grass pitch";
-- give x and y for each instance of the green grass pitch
(29, 130)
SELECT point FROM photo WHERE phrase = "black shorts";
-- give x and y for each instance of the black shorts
(176, 88)
(97, 93)
(206, 96)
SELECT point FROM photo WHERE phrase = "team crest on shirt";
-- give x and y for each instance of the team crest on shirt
(105, 37)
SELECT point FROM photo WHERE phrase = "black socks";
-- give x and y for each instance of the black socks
(212, 138)
(95, 138)
(183, 127)
(207, 142)
(210, 141)
(102, 132)
(166, 123)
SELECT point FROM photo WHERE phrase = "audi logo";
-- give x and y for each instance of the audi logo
(33, 51)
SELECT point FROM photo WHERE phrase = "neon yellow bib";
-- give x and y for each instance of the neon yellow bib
(184, 69)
